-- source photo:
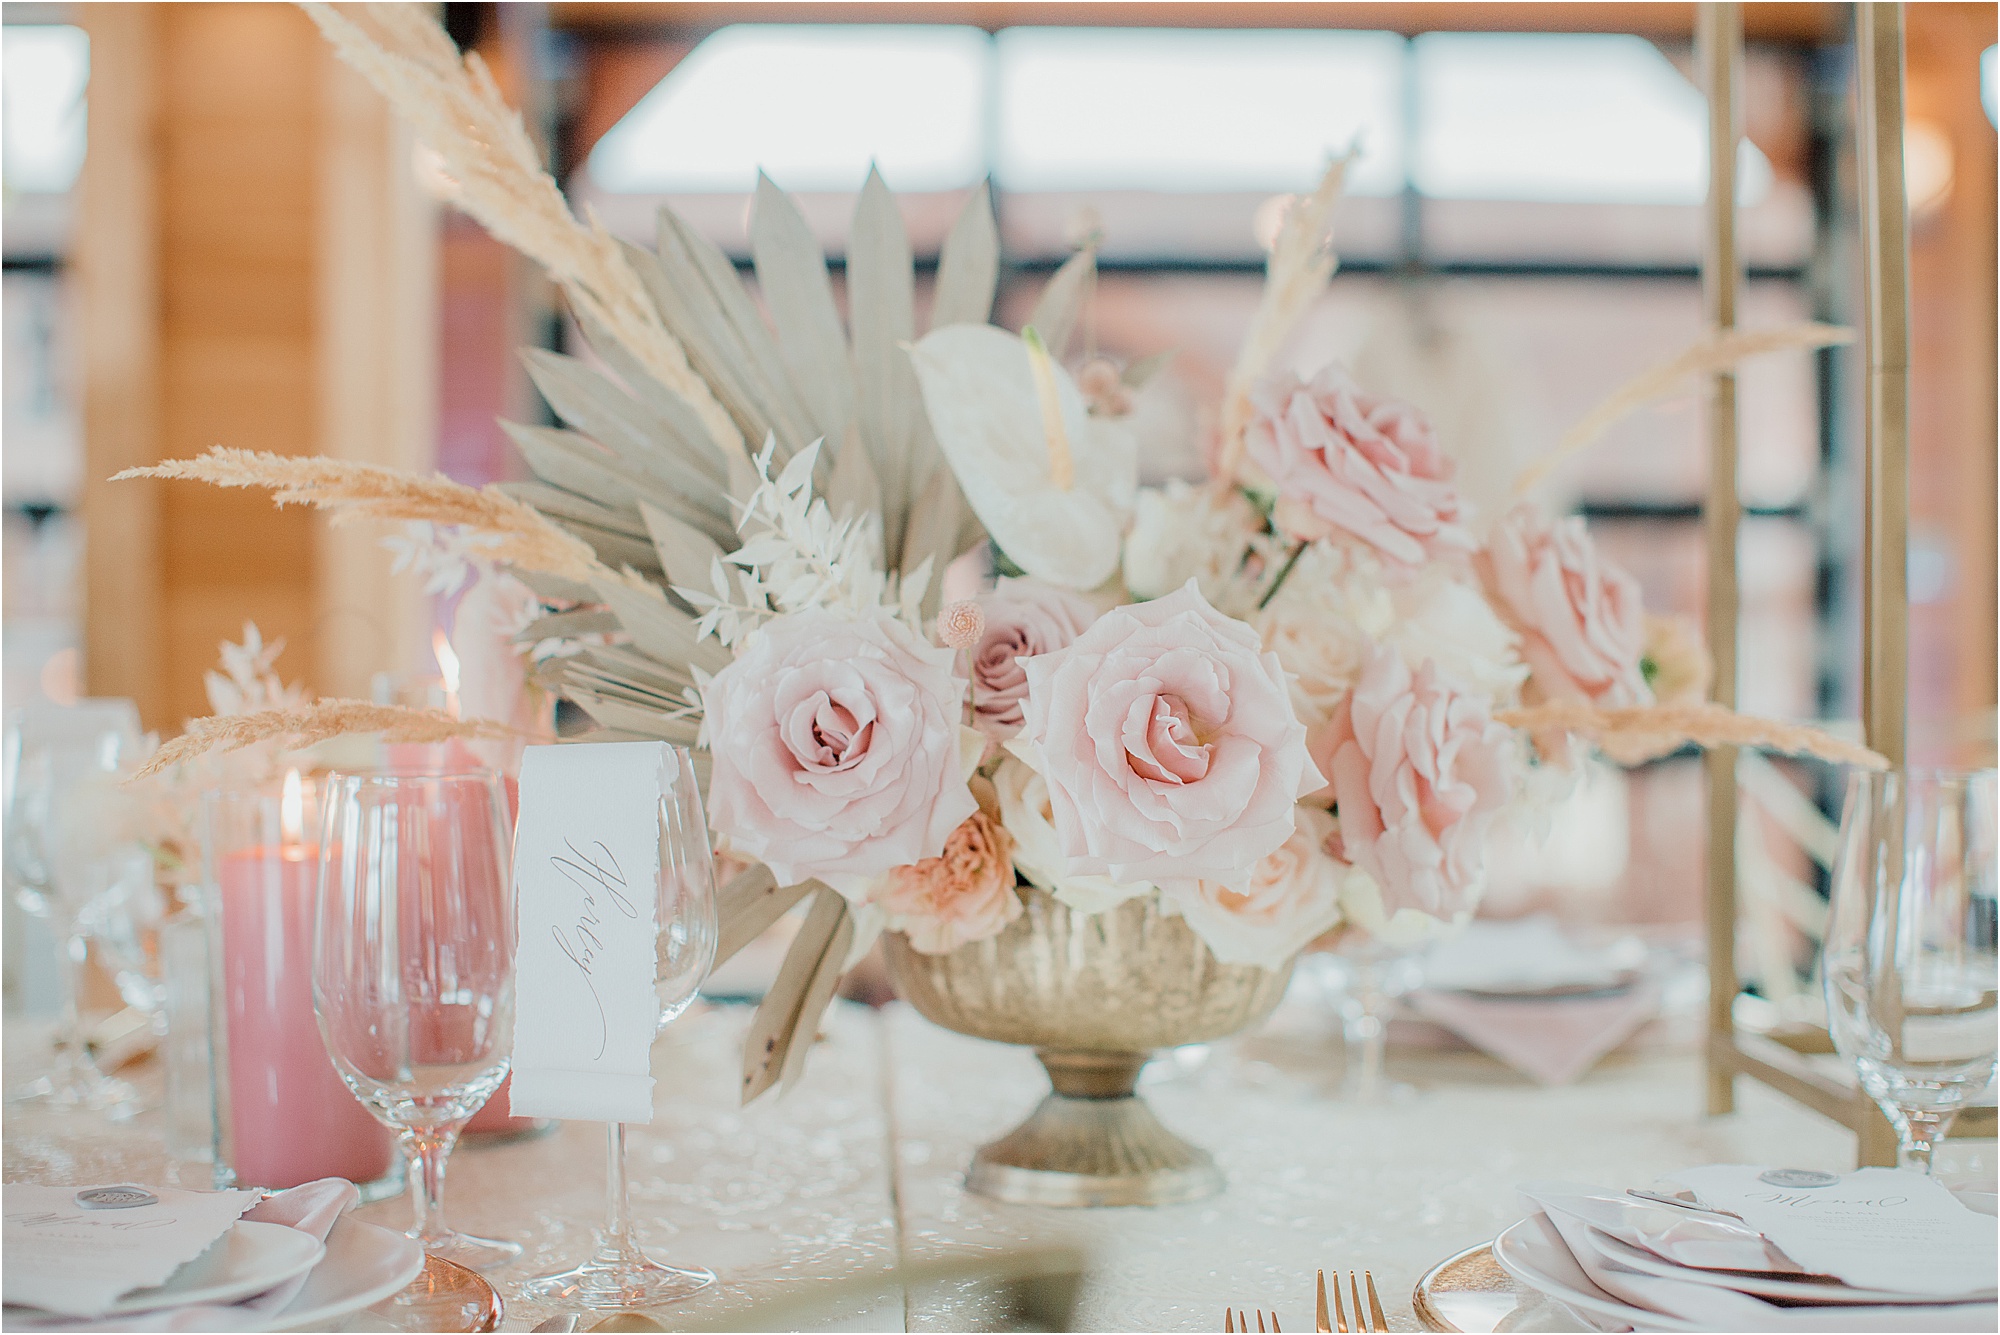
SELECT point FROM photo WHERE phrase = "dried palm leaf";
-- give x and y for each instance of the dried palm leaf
(791, 275)
(568, 626)
(644, 442)
(1302, 261)
(1717, 352)
(788, 1019)
(968, 265)
(304, 725)
(880, 294)
(748, 904)
(686, 552)
(1705, 724)
(455, 107)
(346, 488)
(656, 626)
(1060, 307)
(637, 720)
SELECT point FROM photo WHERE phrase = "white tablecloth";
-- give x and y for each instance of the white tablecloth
(862, 1163)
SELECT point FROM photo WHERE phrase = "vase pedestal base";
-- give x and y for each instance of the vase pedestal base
(1092, 1142)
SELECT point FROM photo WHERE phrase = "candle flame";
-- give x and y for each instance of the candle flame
(447, 661)
(292, 809)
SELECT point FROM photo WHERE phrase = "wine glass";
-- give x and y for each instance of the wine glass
(1365, 977)
(62, 854)
(413, 966)
(619, 1274)
(1910, 964)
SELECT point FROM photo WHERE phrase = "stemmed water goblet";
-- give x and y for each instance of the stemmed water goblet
(1364, 976)
(1910, 963)
(618, 1273)
(413, 966)
(63, 855)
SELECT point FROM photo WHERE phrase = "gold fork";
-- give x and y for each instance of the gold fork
(1236, 1321)
(1366, 1321)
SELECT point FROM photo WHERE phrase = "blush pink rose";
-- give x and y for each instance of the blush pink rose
(835, 746)
(1024, 618)
(1350, 462)
(1169, 745)
(1293, 897)
(965, 894)
(1418, 768)
(1581, 618)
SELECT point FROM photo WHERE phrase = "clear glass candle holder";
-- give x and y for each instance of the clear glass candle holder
(283, 1115)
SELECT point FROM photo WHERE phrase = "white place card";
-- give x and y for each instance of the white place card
(74, 1261)
(586, 863)
(1876, 1228)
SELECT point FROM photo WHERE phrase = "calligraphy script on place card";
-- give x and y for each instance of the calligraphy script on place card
(77, 1262)
(586, 868)
(1876, 1228)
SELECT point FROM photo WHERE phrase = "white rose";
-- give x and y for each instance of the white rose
(1361, 904)
(1038, 856)
(1440, 617)
(1182, 532)
(1293, 896)
(1321, 624)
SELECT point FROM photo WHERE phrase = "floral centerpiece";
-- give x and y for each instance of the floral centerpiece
(945, 662)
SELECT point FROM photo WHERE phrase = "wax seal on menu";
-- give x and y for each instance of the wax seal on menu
(1798, 1177)
(123, 1197)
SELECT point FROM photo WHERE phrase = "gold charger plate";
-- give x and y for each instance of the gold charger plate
(1469, 1292)
(445, 1296)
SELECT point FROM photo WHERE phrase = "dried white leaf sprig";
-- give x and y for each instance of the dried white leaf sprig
(447, 557)
(249, 678)
(796, 556)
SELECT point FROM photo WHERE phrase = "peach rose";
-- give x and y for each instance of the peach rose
(965, 894)
(1348, 461)
(1024, 617)
(835, 746)
(1293, 896)
(1419, 768)
(1169, 745)
(1582, 621)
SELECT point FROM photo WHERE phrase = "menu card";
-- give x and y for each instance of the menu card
(74, 1261)
(586, 868)
(1878, 1228)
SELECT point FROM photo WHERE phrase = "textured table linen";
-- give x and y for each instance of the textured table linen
(862, 1164)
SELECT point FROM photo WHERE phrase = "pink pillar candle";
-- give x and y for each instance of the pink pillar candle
(292, 1118)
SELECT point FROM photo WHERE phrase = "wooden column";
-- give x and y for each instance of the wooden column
(255, 272)
(1885, 331)
(377, 341)
(1719, 53)
(115, 255)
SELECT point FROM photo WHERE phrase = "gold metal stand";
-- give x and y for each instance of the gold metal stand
(1885, 516)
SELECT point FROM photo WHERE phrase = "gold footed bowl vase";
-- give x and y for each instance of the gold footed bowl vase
(1096, 995)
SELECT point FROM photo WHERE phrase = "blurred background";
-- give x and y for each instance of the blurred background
(215, 234)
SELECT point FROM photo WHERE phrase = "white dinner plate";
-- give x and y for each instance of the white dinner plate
(1763, 1286)
(1535, 1254)
(248, 1259)
(364, 1264)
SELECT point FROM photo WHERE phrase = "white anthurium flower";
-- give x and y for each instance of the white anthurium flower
(1052, 484)
(1024, 810)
